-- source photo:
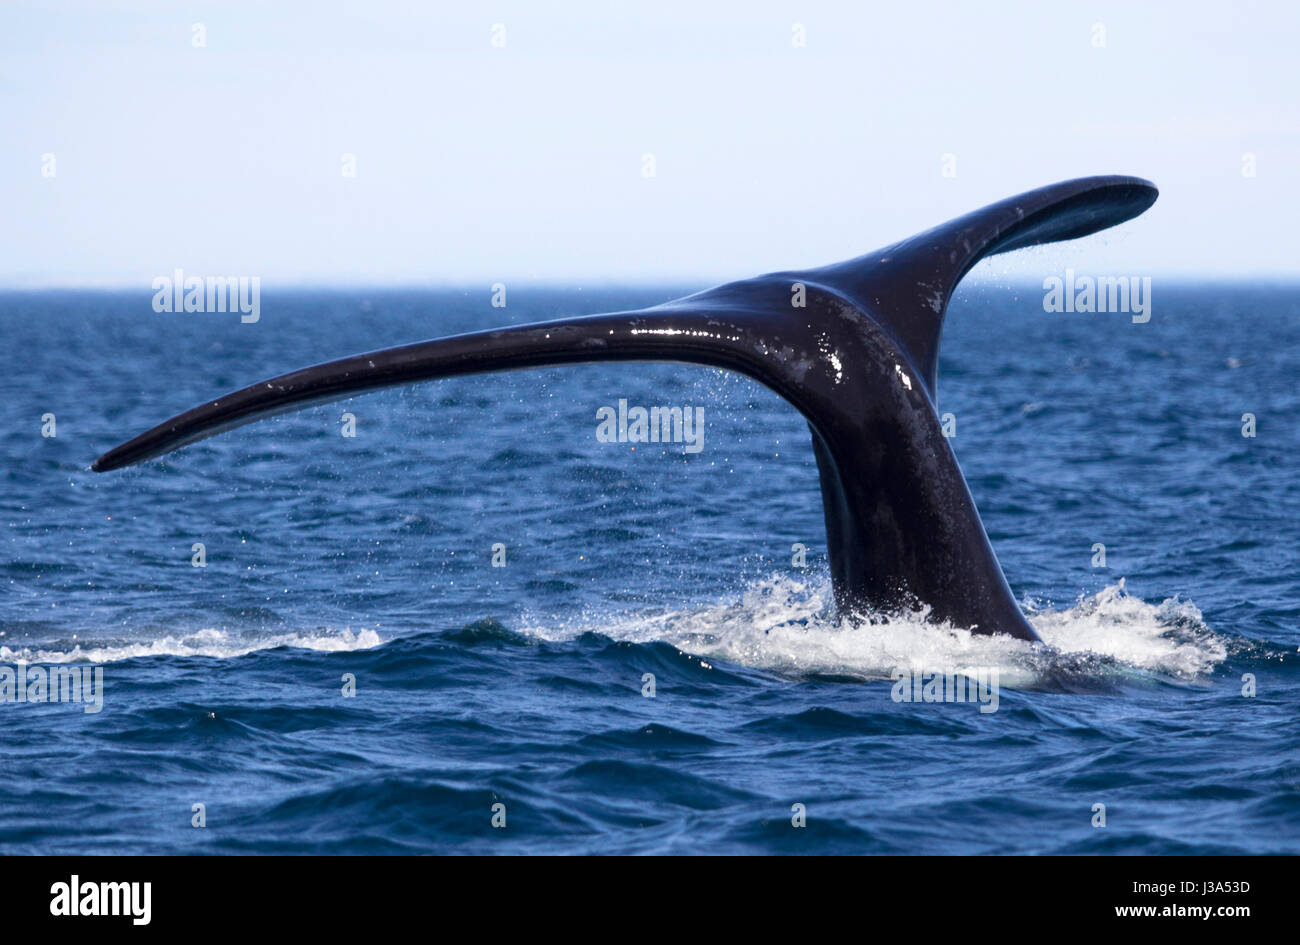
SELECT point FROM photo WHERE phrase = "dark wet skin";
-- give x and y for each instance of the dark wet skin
(858, 359)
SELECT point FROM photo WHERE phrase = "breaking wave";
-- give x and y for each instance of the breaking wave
(209, 642)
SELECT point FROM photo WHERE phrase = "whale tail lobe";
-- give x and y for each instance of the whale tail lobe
(911, 282)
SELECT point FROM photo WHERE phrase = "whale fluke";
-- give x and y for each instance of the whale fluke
(858, 359)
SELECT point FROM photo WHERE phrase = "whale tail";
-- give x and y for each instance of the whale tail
(853, 346)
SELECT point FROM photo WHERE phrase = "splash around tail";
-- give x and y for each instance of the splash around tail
(786, 625)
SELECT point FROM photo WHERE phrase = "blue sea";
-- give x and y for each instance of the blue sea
(649, 664)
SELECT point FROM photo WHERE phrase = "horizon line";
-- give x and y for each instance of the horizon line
(296, 284)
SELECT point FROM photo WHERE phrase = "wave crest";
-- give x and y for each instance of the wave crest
(210, 643)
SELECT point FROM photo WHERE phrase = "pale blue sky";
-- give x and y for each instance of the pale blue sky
(524, 163)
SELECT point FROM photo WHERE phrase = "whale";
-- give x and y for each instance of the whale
(853, 346)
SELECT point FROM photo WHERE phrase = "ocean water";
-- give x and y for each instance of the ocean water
(367, 561)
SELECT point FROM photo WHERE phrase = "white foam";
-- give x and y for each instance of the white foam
(211, 643)
(1168, 638)
(782, 624)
